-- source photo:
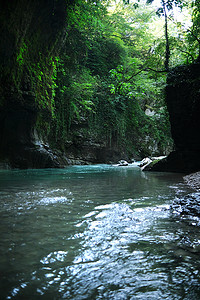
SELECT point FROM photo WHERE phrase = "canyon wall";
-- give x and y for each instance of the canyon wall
(183, 102)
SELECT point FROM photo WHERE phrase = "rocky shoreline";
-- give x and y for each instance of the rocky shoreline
(193, 180)
(189, 206)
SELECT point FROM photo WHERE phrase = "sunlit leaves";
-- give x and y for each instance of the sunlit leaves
(110, 72)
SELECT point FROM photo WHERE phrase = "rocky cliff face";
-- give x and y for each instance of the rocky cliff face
(31, 34)
(183, 102)
(83, 146)
(20, 147)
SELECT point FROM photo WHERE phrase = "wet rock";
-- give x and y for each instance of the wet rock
(33, 157)
(193, 180)
(122, 163)
(179, 161)
(21, 147)
(188, 205)
(147, 163)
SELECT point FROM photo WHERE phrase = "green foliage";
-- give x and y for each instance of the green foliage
(100, 54)
(74, 98)
(31, 33)
(41, 73)
(103, 78)
(21, 55)
(44, 80)
(194, 32)
(107, 73)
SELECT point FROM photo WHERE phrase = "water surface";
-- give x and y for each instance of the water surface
(96, 232)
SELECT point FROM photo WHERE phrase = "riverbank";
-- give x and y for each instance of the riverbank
(189, 206)
(193, 180)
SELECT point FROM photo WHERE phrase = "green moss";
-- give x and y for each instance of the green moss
(43, 78)
(21, 54)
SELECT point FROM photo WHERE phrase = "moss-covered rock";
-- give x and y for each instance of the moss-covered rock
(31, 36)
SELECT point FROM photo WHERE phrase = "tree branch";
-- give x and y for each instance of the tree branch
(186, 52)
(192, 33)
(135, 74)
(157, 71)
(142, 70)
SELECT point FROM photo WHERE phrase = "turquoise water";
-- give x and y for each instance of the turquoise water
(96, 232)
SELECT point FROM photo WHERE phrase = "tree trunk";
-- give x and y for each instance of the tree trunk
(167, 50)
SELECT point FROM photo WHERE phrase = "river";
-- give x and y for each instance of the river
(96, 232)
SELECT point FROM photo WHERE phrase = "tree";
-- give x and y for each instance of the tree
(105, 74)
(194, 32)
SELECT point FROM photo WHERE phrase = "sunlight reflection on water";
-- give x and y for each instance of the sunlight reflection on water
(107, 235)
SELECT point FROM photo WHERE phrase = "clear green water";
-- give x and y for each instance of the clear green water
(96, 232)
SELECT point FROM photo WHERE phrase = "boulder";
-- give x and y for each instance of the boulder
(179, 161)
(122, 163)
(147, 163)
(183, 103)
